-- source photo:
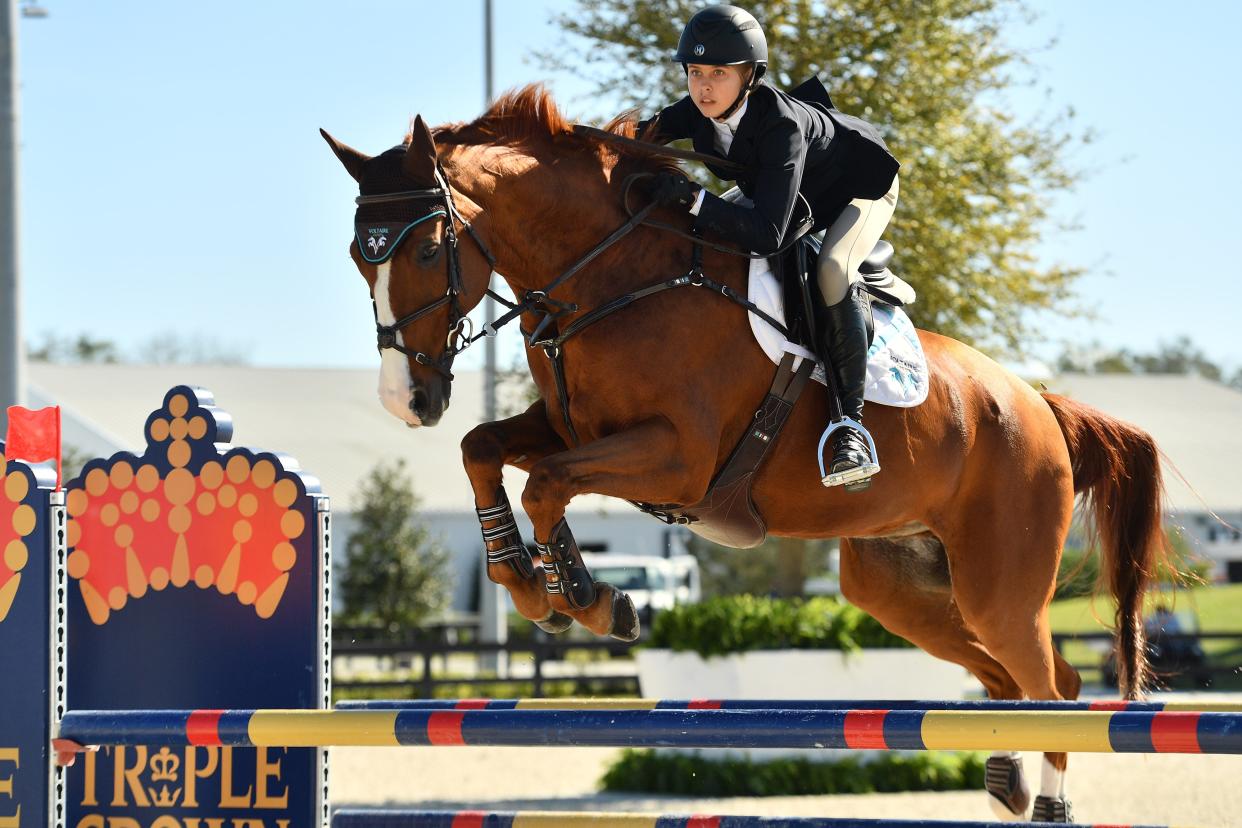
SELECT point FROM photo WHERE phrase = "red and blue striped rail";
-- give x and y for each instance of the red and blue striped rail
(1030, 730)
(560, 819)
(783, 704)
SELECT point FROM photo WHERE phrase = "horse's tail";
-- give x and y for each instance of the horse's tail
(1117, 470)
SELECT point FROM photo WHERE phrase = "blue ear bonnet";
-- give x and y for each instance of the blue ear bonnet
(381, 227)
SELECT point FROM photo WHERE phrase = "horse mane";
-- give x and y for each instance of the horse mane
(527, 116)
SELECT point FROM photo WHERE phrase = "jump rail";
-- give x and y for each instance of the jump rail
(1054, 730)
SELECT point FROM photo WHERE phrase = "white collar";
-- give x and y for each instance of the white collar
(731, 123)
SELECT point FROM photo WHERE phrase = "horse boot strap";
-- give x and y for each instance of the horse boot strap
(563, 569)
(503, 541)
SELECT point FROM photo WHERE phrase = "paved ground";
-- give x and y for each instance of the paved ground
(1166, 790)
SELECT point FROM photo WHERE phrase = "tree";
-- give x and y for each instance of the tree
(396, 575)
(1181, 356)
(976, 183)
(778, 567)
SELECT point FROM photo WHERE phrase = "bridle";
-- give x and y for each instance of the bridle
(460, 329)
(460, 332)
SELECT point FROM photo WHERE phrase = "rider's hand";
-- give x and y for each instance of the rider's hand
(674, 189)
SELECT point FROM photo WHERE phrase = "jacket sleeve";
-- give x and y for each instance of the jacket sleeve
(672, 122)
(781, 154)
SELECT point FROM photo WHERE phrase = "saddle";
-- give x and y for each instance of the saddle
(727, 513)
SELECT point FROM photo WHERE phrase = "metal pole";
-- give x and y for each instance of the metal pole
(493, 620)
(489, 306)
(12, 356)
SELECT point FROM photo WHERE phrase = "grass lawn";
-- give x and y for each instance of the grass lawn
(1219, 609)
(1216, 608)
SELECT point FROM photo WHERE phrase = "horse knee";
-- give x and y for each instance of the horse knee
(546, 488)
(481, 447)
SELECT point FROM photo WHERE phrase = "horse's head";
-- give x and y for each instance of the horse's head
(422, 282)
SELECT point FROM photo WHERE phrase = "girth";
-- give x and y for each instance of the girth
(726, 514)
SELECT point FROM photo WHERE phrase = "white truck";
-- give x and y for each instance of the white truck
(654, 583)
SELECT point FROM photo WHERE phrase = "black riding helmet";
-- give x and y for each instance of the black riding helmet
(724, 36)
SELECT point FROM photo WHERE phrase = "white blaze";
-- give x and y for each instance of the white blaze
(394, 379)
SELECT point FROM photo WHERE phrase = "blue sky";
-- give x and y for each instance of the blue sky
(174, 179)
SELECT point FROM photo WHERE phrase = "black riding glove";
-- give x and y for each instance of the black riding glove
(674, 189)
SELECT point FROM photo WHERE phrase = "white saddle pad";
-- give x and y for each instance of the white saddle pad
(896, 367)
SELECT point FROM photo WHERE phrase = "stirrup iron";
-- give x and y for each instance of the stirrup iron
(854, 475)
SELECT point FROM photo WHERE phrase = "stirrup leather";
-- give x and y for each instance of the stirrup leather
(854, 475)
(563, 569)
(503, 541)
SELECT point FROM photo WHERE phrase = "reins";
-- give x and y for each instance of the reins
(541, 300)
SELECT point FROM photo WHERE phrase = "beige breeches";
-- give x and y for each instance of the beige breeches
(849, 240)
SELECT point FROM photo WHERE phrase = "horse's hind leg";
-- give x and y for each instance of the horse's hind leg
(1004, 549)
(520, 441)
(904, 584)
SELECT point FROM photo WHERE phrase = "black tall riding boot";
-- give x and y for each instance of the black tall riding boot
(853, 455)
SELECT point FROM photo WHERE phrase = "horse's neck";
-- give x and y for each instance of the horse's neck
(545, 217)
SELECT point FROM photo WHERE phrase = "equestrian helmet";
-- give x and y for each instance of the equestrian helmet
(723, 36)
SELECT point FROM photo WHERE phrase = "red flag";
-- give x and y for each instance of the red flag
(34, 436)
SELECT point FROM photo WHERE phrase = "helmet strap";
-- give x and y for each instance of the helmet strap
(741, 96)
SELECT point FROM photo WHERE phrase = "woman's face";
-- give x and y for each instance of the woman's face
(714, 88)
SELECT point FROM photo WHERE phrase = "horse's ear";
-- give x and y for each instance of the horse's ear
(420, 156)
(350, 157)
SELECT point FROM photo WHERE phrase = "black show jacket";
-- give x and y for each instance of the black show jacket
(787, 143)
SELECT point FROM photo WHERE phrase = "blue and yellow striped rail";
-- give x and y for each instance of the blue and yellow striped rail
(1053, 730)
(781, 704)
(560, 819)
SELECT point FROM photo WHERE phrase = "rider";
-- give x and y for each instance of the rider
(839, 163)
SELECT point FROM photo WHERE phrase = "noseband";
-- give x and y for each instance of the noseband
(460, 330)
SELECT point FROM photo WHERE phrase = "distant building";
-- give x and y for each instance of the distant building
(1198, 425)
(331, 421)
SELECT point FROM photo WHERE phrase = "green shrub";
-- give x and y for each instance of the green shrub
(739, 623)
(682, 774)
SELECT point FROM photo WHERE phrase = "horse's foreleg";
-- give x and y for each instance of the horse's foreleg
(641, 463)
(520, 441)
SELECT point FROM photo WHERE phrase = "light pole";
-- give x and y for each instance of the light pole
(489, 304)
(12, 373)
(493, 620)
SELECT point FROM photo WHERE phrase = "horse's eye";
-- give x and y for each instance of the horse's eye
(428, 251)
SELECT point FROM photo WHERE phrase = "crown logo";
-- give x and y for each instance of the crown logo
(164, 766)
(17, 522)
(186, 511)
(164, 798)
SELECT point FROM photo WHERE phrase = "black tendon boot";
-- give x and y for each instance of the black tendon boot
(853, 454)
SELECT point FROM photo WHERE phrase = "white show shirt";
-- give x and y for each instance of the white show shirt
(724, 140)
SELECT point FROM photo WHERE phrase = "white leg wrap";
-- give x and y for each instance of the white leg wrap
(1052, 781)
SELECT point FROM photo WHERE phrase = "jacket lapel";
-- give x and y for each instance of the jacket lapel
(744, 139)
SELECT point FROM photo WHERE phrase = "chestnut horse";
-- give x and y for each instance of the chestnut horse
(956, 544)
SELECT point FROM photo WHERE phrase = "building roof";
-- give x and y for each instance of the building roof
(330, 420)
(1196, 422)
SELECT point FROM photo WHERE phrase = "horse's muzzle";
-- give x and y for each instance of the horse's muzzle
(429, 401)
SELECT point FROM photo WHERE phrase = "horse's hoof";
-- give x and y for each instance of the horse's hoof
(555, 623)
(625, 625)
(1007, 791)
(1052, 809)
